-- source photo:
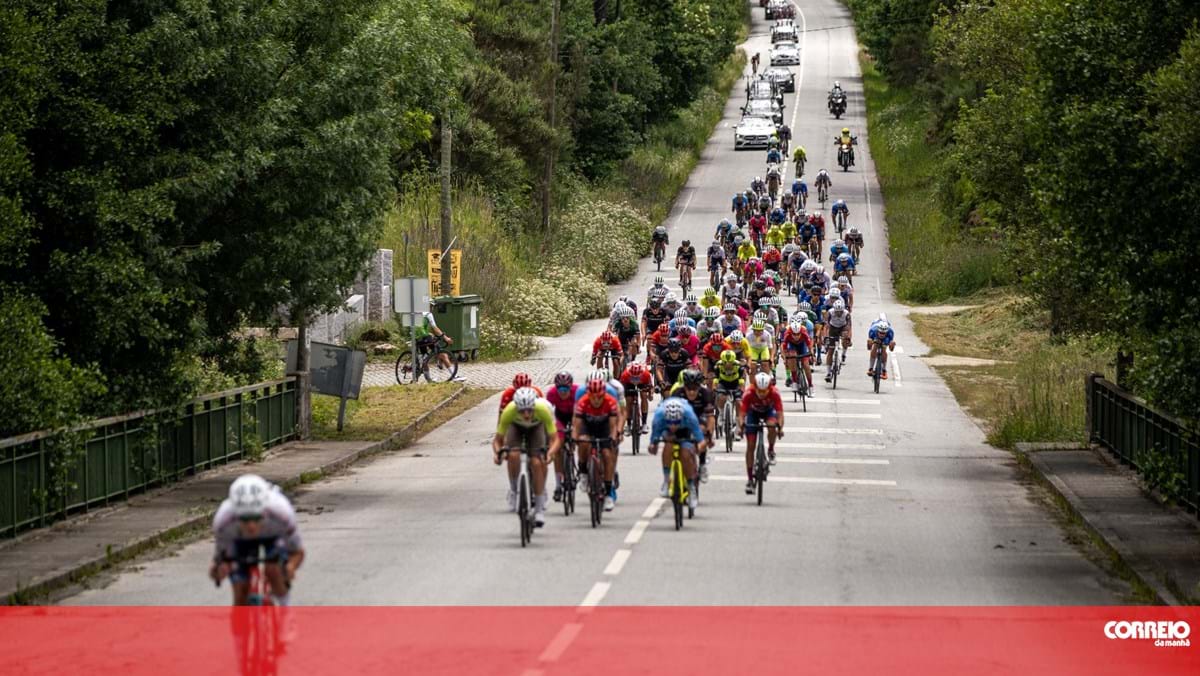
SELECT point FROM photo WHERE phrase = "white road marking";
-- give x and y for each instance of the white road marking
(832, 430)
(815, 461)
(899, 376)
(635, 533)
(595, 595)
(829, 447)
(655, 505)
(684, 209)
(831, 414)
(787, 163)
(867, 191)
(585, 348)
(832, 400)
(558, 645)
(810, 480)
(899, 349)
(618, 562)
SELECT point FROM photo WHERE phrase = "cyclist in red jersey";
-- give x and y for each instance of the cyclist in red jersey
(608, 342)
(638, 384)
(598, 417)
(520, 380)
(760, 405)
(711, 352)
(797, 347)
(691, 342)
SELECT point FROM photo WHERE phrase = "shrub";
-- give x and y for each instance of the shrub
(500, 342)
(603, 238)
(587, 294)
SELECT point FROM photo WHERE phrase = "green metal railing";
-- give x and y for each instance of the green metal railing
(46, 475)
(1145, 439)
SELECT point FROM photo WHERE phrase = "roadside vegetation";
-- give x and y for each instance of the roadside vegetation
(173, 173)
(382, 411)
(1025, 149)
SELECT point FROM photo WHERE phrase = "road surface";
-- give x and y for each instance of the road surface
(877, 499)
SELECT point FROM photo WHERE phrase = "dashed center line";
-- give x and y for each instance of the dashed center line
(618, 562)
(561, 641)
(833, 430)
(595, 595)
(635, 533)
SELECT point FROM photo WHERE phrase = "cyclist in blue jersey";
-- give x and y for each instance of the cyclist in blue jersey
(676, 418)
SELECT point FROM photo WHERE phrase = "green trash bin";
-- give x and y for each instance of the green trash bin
(458, 316)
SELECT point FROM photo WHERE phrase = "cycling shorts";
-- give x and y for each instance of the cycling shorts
(532, 438)
(761, 353)
(800, 350)
(246, 555)
(834, 332)
(729, 388)
(756, 418)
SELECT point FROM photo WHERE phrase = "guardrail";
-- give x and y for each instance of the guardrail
(46, 475)
(1145, 439)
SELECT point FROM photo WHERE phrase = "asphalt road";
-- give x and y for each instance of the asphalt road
(877, 499)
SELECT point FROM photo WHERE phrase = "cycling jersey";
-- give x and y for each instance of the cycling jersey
(645, 380)
(654, 318)
(716, 255)
(687, 430)
(729, 324)
(778, 216)
(760, 343)
(674, 363)
(674, 325)
(886, 338)
(770, 405)
(543, 415)
(710, 301)
(660, 235)
(659, 338)
(703, 404)
(742, 348)
(277, 530)
(687, 255)
(797, 341)
(844, 263)
(602, 345)
(597, 414)
(747, 251)
(789, 231)
(807, 232)
(837, 318)
(836, 250)
(772, 257)
(713, 348)
(799, 188)
(627, 332)
(730, 373)
(691, 345)
(775, 235)
(506, 396)
(564, 405)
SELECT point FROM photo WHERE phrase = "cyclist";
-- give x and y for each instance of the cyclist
(854, 240)
(740, 207)
(776, 219)
(752, 270)
(823, 181)
(708, 326)
(692, 390)
(638, 383)
(710, 299)
(838, 247)
(880, 333)
(807, 234)
(607, 343)
(711, 351)
(671, 304)
(758, 186)
(787, 201)
(676, 419)
(843, 285)
(800, 190)
(428, 334)
(771, 258)
(256, 515)
(758, 228)
(657, 290)
(691, 342)
(799, 157)
(797, 350)
(785, 137)
(562, 398)
(729, 379)
(685, 262)
(840, 213)
(818, 220)
(789, 232)
(774, 156)
(628, 333)
(657, 342)
(765, 200)
(747, 251)
(730, 321)
(724, 229)
(716, 261)
(692, 309)
(520, 380)
(775, 234)
(527, 425)
(680, 320)
(653, 317)
(671, 363)
(736, 341)
(598, 420)
(732, 290)
(661, 240)
(761, 344)
(760, 405)
(844, 265)
(837, 327)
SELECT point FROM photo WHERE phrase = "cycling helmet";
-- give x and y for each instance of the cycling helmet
(805, 306)
(672, 298)
(853, 231)
(658, 281)
(564, 379)
(681, 314)
(596, 382)
(728, 356)
(673, 411)
(839, 304)
(730, 307)
(523, 380)
(808, 266)
(636, 369)
(725, 223)
(757, 180)
(674, 344)
(758, 325)
(801, 215)
(607, 336)
(249, 494)
(835, 292)
(883, 327)
(846, 131)
(736, 336)
(607, 374)
(710, 292)
(711, 312)
(730, 277)
(624, 299)
(692, 378)
(760, 284)
(686, 242)
(762, 381)
(837, 84)
(690, 299)
(839, 242)
(625, 312)
(525, 398)
(843, 280)
(655, 302)
(738, 239)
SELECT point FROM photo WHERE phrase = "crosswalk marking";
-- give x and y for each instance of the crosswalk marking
(833, 430)
(829, 447)
(809, 480)
(807, 460)
(833, 414)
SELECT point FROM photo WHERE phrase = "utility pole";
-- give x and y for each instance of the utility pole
(303, 377)
(548, 179)
(447, 234)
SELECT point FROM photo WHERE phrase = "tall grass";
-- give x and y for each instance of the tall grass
(933, 257)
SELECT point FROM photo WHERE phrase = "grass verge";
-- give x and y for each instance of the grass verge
(1035, 390)
(934, 258)
(381, 411)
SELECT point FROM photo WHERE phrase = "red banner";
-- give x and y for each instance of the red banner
(518, 640)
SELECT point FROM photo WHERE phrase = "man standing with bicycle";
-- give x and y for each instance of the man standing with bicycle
(428, 334)
(676, 422)
(527, 426)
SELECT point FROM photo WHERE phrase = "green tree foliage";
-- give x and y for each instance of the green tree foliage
(1074, 141)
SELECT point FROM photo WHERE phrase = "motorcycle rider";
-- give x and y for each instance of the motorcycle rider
(836, 92)
(848, 140)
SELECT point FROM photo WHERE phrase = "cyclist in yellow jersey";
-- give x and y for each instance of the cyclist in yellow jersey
(729, 379)
(710, 299)
(789, 231)
(775, 236)
(747, 251)
(760, 345)
(527, 423)
(737, 343)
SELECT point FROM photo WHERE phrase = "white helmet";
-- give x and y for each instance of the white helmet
(681, 314)
(839, 242)
(736, 336)
(672, 298)
(883, 327)
(730, 277)
(835, 292)
(839, 304)
(690, 298)
(525, 398)
(711, 312)
(808, 265)
(762, 381)
(673, 410)
(625, 312)
(843, 280)
(249, 494)
(618, 305)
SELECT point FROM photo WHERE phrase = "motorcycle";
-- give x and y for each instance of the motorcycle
(837, 105)
(845, 156)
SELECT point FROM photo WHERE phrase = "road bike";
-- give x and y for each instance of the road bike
(635, 421)
(570, 476)
(877, 364)
(839, 222)
(835, 364)
(595, 478)
(822, 196)
(427, 365)
(762, 463)
(728, 426)
(258, 630)
(609, 360)
(799, 383)
(685, 277)
(524, 496)
(660, 250)
(677, 485)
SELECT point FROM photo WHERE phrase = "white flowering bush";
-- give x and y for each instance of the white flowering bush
(586, 292)
(536, 307)
(601, 237)
(499, 341)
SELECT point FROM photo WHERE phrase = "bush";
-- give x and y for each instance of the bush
(602, 238)
(500, 342)
(586, 293)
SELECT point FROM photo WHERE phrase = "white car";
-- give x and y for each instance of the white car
(785, 54)
(783, 78)
(784, 31)
(765, 108)
(753, 132)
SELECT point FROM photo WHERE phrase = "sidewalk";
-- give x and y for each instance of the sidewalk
(38, 562)
(1160, 544)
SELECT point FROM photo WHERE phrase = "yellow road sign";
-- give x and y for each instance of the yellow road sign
(433, 264)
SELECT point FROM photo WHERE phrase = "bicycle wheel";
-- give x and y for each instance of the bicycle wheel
(436, 373)
(523, 507)
(677, 492)
(568, 481)
(729, 423)
(878, 373)
(596, 466)
(635, 427)
(836, 366)
(404, 368)
(760, 464)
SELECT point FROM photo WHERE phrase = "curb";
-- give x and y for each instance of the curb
(1097, 525)
(117, 554)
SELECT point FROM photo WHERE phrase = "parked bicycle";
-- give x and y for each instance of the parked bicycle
(428, 365)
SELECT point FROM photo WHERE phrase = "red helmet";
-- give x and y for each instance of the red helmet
(636, 369)
(607, 336)
(596, 386)
(522, 380)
